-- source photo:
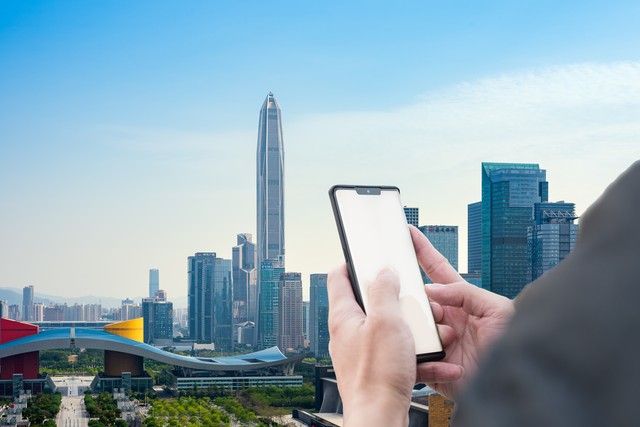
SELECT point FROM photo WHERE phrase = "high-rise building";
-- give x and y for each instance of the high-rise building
(243, 261)
(154, 282)
(319, 315)
(413, 216)
(268, 300)
(474, 237)
(4, 309)
(129, 310)
(27, 303)
(290, 335)
(270, 185)
(509, 191)
(14, 312)
(445, 239)
(211, 300)
(158, 319)
(38, 312)
(551, 236)
(306, 314)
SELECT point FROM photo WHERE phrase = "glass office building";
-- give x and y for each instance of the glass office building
(445, 239)
(319, 316)
(270, 183)
(268, 301)
(413, 216)
(551, 236)
(243, 258)
(210, 300)
(509, 192)
(474, 237)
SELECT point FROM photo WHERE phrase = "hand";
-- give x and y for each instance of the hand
(373, 355)
(469, 319)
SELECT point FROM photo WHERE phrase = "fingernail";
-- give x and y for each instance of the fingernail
(388, 273)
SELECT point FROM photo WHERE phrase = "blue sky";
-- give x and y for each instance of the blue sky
(128, 129)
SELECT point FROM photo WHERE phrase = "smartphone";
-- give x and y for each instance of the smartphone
(374, 234)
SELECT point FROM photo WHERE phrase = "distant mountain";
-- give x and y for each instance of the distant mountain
(14, 296)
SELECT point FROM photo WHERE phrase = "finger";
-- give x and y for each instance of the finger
(447, 335)
(383, 294)
(433, 263)
(472, 299)
(439, 372)
(342, 302)
(437, 310)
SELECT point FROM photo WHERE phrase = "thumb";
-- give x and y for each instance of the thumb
(383, 294)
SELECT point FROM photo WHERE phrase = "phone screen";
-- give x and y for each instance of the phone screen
(375, 235)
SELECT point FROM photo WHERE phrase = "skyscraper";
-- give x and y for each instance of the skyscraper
(319, 315)
(154, 282)
(210, 299)
(268, 300)
(445, 239)
(413, 216)
(509, 191)
(474, 237)
(27, 303)
(290, 336)
(269, 219)
(243, 261)
(551, 236)
(270, 183)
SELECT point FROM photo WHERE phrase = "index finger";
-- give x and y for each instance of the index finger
(433, 262)
(342, 302)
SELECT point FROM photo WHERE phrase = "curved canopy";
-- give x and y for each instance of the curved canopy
(100, 340)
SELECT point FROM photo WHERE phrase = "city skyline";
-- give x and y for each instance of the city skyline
(124, 153)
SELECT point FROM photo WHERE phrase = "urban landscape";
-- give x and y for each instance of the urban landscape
(144, 279)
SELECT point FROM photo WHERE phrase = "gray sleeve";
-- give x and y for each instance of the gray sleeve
(571, 357)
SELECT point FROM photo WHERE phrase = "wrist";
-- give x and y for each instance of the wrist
(377, 409)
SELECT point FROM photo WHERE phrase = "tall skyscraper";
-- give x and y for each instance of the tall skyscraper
(290, 336)
(551, 236)
(413, 216)
(319, 315)
(268, 300)
(445, 239)
(210, 300)
(27, 303)
(474, 237)
(154, 282)
(269, 219)
(4, 309)
(243, 260)
(509, 191)
(270, 183)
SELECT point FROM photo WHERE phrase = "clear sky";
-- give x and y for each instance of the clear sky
(128, 129)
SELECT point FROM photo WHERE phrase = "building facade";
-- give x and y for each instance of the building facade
(270, 183)
(551, 236)
(509, 192)
(154, 282)
(445, 239)
(290, 335)
(27, 303)
(268, 300)
(413, 216)
(157, 313)
(319, 315)
(243, 261)
(210, 300)
(474, 237)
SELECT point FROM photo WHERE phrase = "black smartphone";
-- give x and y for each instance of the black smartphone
(374, 234)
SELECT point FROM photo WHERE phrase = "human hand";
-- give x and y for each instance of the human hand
(469, 319)
(373, 354)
